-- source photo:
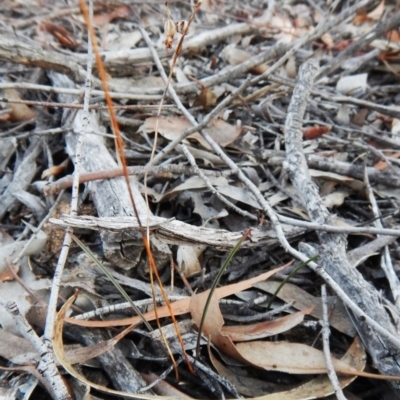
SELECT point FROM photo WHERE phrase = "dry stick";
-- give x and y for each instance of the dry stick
(299, 255)
(339, 167)
(336, 270)
(125, 306)
(281, 237)
(78, 92)
(279, 49)
(365, 146)
(185, 150)
(51, 311)
(79, 106)
(386, 261)
(333, 96)
(46, 366)
(121, 154)
(66, 182)
(165, 171)
(325, 341)
(167, 83)
(380, 30)
(197, 43)
(338, 229)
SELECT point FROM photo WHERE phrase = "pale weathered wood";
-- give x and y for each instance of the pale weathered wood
(110, 196)
(179, 233)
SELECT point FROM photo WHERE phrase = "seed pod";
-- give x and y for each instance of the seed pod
(182, 26)
(169, 30)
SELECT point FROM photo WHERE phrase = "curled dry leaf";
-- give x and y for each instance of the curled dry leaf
(58, 346)
(172, 127)
(60, 33)
(19, 112)
(188, 259)
(294, 358)
(242, 333)
(206, 98)
(55, 170)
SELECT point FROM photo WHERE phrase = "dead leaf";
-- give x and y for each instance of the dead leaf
(12, 250)
(172, 127)
(354, 85)
(244, 384)
(315, 132)
(240, 194)
(206, 98)
(182, 306)
(122, 40)
(58, 346)
(7, 275)
(334, 199)
(235, 56)
(376, 14)
(294, 358)
(19, 112)
(291, 68)
(187, 258)
(321, 386)
(395, 126)
(303, 300)
(241, 333)
(352, 183)
(64, 37)
(382, 165)
(16, 349)
(393, 35)
(327, 39)
(55, 170)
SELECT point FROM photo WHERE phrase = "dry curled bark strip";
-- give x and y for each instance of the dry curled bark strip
(333, 246)
(179, 233)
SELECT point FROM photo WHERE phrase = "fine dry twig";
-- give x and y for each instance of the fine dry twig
(327, 352)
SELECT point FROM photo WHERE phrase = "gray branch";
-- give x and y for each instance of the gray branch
(333, 260)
